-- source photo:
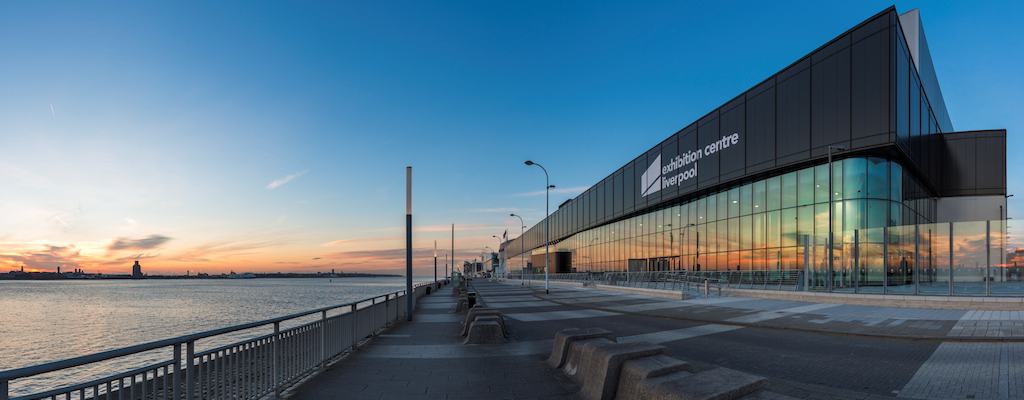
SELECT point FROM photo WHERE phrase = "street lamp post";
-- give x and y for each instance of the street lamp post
(486, 254)
(831, 195)
(499, 249)
(547, 204)
(522, 246)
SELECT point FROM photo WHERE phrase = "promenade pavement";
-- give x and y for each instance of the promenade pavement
(806, 350)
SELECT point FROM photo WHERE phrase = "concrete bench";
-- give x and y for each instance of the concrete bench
(601, 363)
(485, 330)
(635, 372)
(477, 312)
(565, 337)
(608, 370)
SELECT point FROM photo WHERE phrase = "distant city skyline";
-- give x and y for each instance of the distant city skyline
(267, 137)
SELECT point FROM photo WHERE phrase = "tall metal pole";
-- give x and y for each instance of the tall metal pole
(453, 250)
(499, 252)
(435, 262)
(408, 243)
(522, 247)
(830, 195)
(547, 241)
(547, 204)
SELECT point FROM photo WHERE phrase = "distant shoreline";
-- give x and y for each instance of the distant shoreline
(53, 276)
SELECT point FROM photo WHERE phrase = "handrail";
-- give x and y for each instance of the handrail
(52, 366)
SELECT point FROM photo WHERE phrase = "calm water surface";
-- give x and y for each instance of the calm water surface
(42, 321)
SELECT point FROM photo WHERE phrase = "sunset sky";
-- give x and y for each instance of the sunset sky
(273, 137)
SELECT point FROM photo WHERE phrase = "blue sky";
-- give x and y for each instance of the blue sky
(162, 127)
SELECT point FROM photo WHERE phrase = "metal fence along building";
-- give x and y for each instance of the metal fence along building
(906, 199)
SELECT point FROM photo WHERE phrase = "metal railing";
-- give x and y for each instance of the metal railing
(249, 369)
(694, 282)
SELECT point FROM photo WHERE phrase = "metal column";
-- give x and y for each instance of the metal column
(408, 244)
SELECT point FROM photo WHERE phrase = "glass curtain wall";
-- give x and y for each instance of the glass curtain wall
(766, 225)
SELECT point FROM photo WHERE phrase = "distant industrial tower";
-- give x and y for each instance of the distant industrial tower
(137, 271)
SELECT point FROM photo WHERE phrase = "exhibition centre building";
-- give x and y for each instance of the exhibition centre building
(914, 205)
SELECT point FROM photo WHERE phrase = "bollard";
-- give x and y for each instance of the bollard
(707, 288)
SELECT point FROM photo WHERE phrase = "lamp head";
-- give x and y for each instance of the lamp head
(551, 186)
(528, 162)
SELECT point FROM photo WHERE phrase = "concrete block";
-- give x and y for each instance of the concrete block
(485, 332)
(495, 318)
(715, 384)
(636, 372)
(471, 315)
(574, 356)
(565, 337)
(476, 313)
(601, 365)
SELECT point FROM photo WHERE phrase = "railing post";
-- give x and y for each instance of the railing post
(190, 370)
(807, 265)
(176, 378)
(950, 258)
(988, 258)
(275, 364)
(856, 260)
(323, 338)
(917, 259)
(885, 260)
(3, 389)
(355, 321)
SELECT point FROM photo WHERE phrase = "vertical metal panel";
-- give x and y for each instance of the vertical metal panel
(793, 115)
(708, 166)
(870, 89)
(830, 94)
(733, 120)
(760, 128)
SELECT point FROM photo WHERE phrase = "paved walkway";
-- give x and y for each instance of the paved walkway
(807, 350)
(426, 360)
(938, 324)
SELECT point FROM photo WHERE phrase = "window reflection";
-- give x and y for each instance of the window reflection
(764, 225)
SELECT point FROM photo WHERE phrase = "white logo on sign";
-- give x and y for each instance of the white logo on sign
(650, 181)
(682, 167)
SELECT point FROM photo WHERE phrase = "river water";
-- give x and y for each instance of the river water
(42, 321)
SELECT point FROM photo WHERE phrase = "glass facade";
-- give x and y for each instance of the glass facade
(755, 226)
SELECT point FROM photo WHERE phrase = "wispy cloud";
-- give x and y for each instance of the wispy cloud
(222, 250)
(149, 242)
(572, 191)
(46, 258)
(276, 183)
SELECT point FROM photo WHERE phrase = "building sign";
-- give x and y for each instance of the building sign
(680, 168)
